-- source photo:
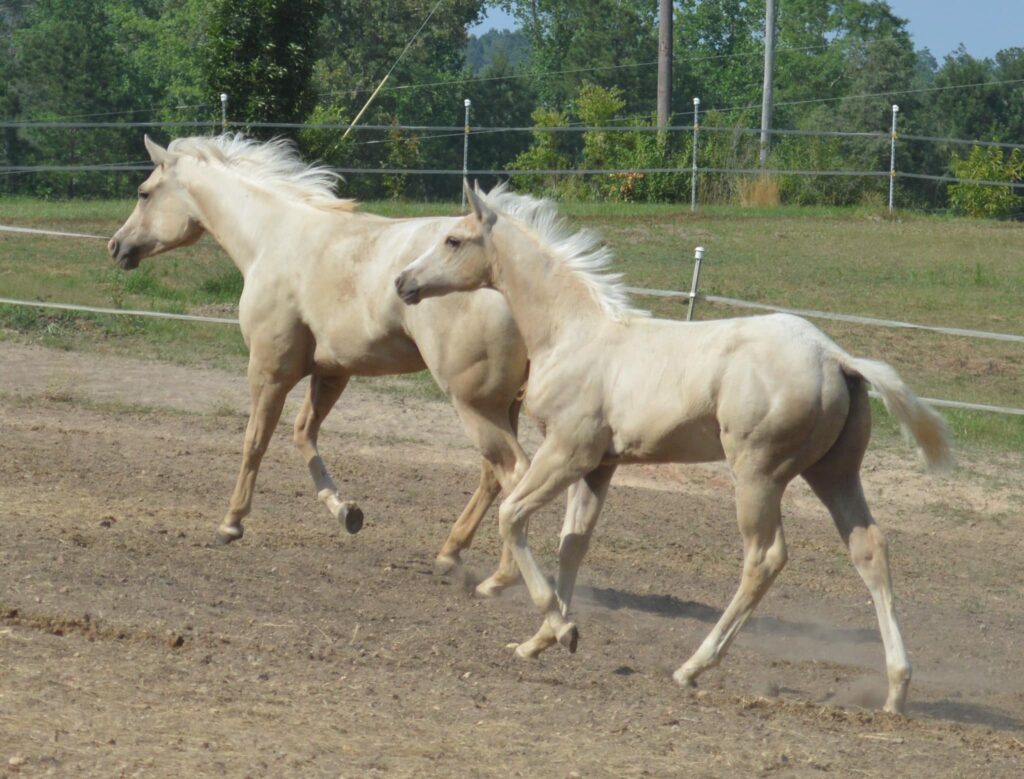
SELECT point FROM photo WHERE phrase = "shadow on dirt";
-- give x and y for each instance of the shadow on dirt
(966, 714)
(671, 606)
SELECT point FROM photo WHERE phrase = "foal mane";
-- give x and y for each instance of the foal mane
(275, 163)
(582, 252)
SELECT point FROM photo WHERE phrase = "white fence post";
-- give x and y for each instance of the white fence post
(892, 156)
(223, 112)
(465, 151)
(693, 172)
(698, 255)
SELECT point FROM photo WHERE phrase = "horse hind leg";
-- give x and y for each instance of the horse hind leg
(460, 537)
(323, 393)
(835, 479)
(758, 511)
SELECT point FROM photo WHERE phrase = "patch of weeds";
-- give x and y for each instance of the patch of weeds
(225, 287)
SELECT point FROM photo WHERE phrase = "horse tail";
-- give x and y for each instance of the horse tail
(916, 418)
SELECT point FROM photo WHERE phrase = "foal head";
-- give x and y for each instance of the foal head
(459, 262)
(163, 217)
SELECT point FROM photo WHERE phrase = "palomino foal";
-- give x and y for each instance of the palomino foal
(771, 395)
(317, 302)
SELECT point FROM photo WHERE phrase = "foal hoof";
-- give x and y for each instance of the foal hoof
(226, 535)
(685, 677)
(568, 636)
(352, 515)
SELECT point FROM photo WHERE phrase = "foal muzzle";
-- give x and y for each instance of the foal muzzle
(407, 288)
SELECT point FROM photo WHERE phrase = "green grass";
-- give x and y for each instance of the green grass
(923, 269)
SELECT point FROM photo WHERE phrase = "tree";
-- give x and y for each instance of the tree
(261, 52)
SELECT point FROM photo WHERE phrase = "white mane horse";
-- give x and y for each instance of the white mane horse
(771, 395)
(318, 301)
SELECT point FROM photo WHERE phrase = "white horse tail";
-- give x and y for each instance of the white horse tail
(916, 418)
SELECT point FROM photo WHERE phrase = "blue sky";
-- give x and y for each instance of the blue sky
(983, 26)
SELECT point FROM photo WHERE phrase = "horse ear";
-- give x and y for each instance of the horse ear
(481, 210)
(157, 153)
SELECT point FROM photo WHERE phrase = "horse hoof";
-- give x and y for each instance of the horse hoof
(569, 637)
(226, 536)
(525, 651)
(488, 589)
(685, 678)
(445, 565)
(352, 516)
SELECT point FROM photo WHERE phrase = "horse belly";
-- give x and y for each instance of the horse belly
(689, 441)
(383, 356)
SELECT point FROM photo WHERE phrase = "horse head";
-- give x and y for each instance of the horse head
(163, 218)
(460, 261)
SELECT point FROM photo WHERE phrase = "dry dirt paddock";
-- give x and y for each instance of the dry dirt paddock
(129, 646)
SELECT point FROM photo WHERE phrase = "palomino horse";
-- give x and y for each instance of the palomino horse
(318, 301)
(771, 395)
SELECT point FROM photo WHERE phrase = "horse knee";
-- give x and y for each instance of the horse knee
(510, 521)
(868, 547)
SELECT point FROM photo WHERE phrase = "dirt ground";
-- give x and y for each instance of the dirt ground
(130, 646)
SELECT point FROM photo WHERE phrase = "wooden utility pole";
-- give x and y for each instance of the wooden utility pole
(769, 68)
(664, 62)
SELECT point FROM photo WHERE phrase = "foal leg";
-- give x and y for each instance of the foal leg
(549, 474)
(870, 555)
(586, 497)
(323, 393)
(758, 509)
(268, 391)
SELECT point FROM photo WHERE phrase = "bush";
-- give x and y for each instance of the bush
(986, 200)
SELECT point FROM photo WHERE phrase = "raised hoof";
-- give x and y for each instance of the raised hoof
(352, 515)
(488, 588)
(569, 637)
(225, 537)
(526, 651)
(444, 565)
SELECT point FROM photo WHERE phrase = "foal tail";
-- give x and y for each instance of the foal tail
(926, 427)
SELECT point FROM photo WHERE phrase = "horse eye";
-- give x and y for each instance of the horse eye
(453, 242)
(143, 195)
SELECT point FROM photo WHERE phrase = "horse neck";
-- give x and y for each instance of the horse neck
(237, 213)
(547, 298)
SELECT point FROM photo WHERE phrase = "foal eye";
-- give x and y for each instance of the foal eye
(453, 242)
(143, 195)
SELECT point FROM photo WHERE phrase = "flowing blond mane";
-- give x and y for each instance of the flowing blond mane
(582, 251)
(274, 163)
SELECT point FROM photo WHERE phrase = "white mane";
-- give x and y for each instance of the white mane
(274, 163)
(582, 251)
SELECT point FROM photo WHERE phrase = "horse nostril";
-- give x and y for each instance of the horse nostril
(113, 246)
(399, 280)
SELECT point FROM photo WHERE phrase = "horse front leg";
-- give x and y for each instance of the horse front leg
(268, 395)
(553, 469)
(586, 498)
(323, 393)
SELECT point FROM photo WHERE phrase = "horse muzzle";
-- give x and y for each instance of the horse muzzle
(407, 288)
(127, 257)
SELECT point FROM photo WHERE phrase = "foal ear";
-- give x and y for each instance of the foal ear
(157, 153)
(481, 210)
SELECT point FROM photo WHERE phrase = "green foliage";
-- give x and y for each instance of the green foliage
(988, 164)
(261, 53)
(546, 153)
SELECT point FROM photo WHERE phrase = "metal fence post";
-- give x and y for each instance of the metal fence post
(693, 172)
(465, 151)
(223, 112)
(892, 156)
(698, 255)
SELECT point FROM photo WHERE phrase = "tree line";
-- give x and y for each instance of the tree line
(839, 67)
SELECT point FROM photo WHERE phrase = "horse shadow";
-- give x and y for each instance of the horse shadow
(673, 607)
